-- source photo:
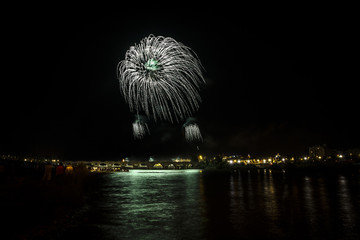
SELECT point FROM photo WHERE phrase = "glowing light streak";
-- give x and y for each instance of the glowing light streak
(139, 129)
(192, 133)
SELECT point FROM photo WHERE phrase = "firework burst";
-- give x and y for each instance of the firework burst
(139, 129)
(192, 133)
(161, 78)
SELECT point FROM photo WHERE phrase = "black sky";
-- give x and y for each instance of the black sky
(277, 81)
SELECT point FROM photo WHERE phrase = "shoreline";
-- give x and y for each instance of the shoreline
(36, 209)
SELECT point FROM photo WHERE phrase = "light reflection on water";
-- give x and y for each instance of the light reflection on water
(187, 204)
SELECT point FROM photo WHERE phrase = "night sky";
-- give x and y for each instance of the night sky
(277, 81)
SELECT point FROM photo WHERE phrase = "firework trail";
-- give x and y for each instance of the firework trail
(192, 133)
(161, 78)
(139, 129)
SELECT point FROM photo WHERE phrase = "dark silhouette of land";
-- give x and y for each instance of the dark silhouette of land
(36, 208)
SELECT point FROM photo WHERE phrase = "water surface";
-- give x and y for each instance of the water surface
(188, 204)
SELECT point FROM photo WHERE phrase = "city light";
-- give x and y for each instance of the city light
(317, 154)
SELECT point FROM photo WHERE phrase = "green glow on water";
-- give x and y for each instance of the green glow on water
(161, 173)
(152, 65)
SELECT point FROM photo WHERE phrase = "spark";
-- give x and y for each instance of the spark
(192, 133)
(139, 129)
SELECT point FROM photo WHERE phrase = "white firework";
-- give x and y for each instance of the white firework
(192, 133)
(139, 129)
(161, 77)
